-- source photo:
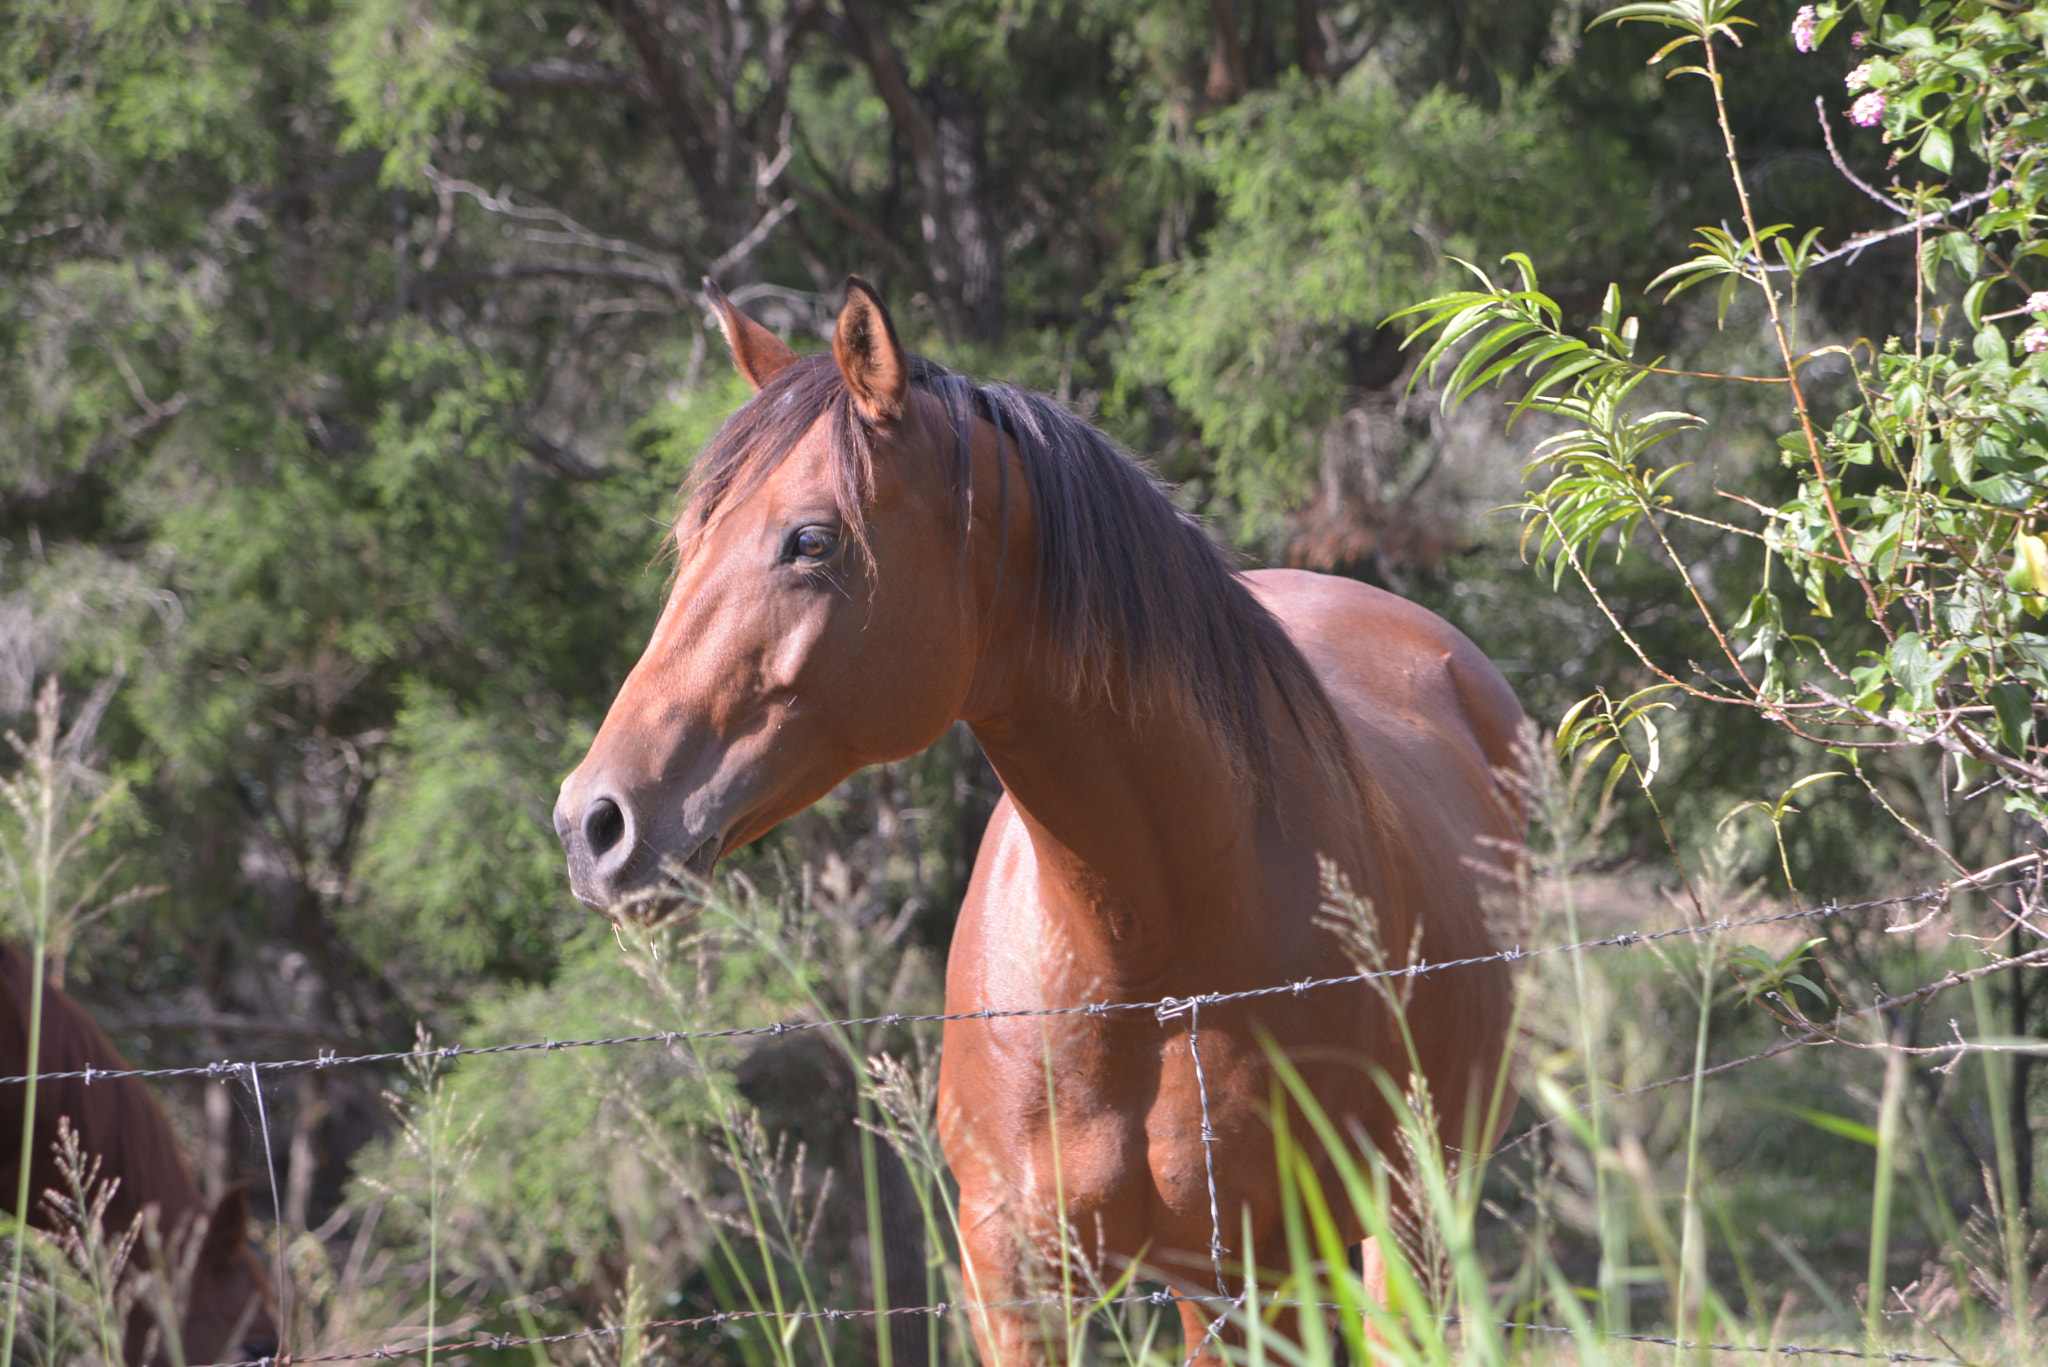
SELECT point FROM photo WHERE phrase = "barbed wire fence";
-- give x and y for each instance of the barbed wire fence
(1802, 1032)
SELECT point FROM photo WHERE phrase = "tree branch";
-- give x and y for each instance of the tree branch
(665, 94)
(563, 73)
(96, 455)
(561, 459)
(613, 272)
(871, 234)
(348, 172)
(886, 69)
(1820, 109)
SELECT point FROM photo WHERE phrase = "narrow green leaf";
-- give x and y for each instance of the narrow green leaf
(1838, 1124)
(1727, 297)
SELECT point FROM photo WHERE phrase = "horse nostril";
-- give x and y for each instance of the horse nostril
(604, 826)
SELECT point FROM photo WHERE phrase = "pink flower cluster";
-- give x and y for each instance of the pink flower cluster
(2035, 339)
(1868, 111)
(1804, 25)
(2037, 302)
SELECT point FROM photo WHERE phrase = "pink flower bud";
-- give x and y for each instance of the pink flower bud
(1804, 25)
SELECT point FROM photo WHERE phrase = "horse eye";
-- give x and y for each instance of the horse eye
(810, 543)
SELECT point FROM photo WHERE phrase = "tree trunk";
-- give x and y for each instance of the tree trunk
(945, 132)
(1226, 58)
(1309, 52)
(970, 262)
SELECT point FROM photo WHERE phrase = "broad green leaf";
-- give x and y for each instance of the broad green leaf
(1938, 151)
(1973, 302)
(1960, 247)
(2012, 702)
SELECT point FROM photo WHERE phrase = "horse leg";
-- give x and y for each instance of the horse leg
(993, 1258)
(1372, 1270)
(1204, 1349)
(1372, 1274)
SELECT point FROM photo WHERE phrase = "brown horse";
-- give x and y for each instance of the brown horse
(229, 1314)
(874, 548)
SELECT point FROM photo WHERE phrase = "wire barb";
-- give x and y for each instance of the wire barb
(1169, 1006)
(1224, 1306)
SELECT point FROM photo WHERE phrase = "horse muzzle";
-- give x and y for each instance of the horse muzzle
(618, 866)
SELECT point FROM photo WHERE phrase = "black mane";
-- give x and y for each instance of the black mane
(1130, 588)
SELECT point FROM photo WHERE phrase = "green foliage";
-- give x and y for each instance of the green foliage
(402, 69)
(1335, 205)
(553, 1172)
(460, 863)
(1917, 493)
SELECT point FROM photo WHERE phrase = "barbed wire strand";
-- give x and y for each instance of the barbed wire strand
(1813, 1033)
(1163, 1299)
(327, 1058)
(1165, 1010)
(1192, 1009)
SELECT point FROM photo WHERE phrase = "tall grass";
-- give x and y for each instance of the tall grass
(55, 807)
(615, 1188)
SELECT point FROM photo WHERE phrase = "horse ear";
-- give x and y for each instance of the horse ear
(227, 1228)
(757, 353)
(872, 360)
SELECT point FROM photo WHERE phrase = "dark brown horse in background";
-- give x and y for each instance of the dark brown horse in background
(228, 1315)
(875, 548)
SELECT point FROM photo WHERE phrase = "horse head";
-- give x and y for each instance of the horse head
(230, 1315)
(820, 619)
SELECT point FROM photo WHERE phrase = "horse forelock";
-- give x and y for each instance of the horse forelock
(754, 441)
(1136, 602)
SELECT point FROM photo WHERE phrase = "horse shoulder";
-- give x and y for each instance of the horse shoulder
(1410, 680)
(1004, 880)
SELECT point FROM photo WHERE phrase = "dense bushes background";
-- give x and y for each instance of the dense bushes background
(354, 356)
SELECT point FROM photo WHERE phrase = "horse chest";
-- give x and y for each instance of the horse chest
(1105, 1116)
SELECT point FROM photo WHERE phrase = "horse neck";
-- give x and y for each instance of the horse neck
(1140, 810)
(1139, 806)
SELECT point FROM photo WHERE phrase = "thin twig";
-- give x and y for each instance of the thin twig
(1820, 109)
